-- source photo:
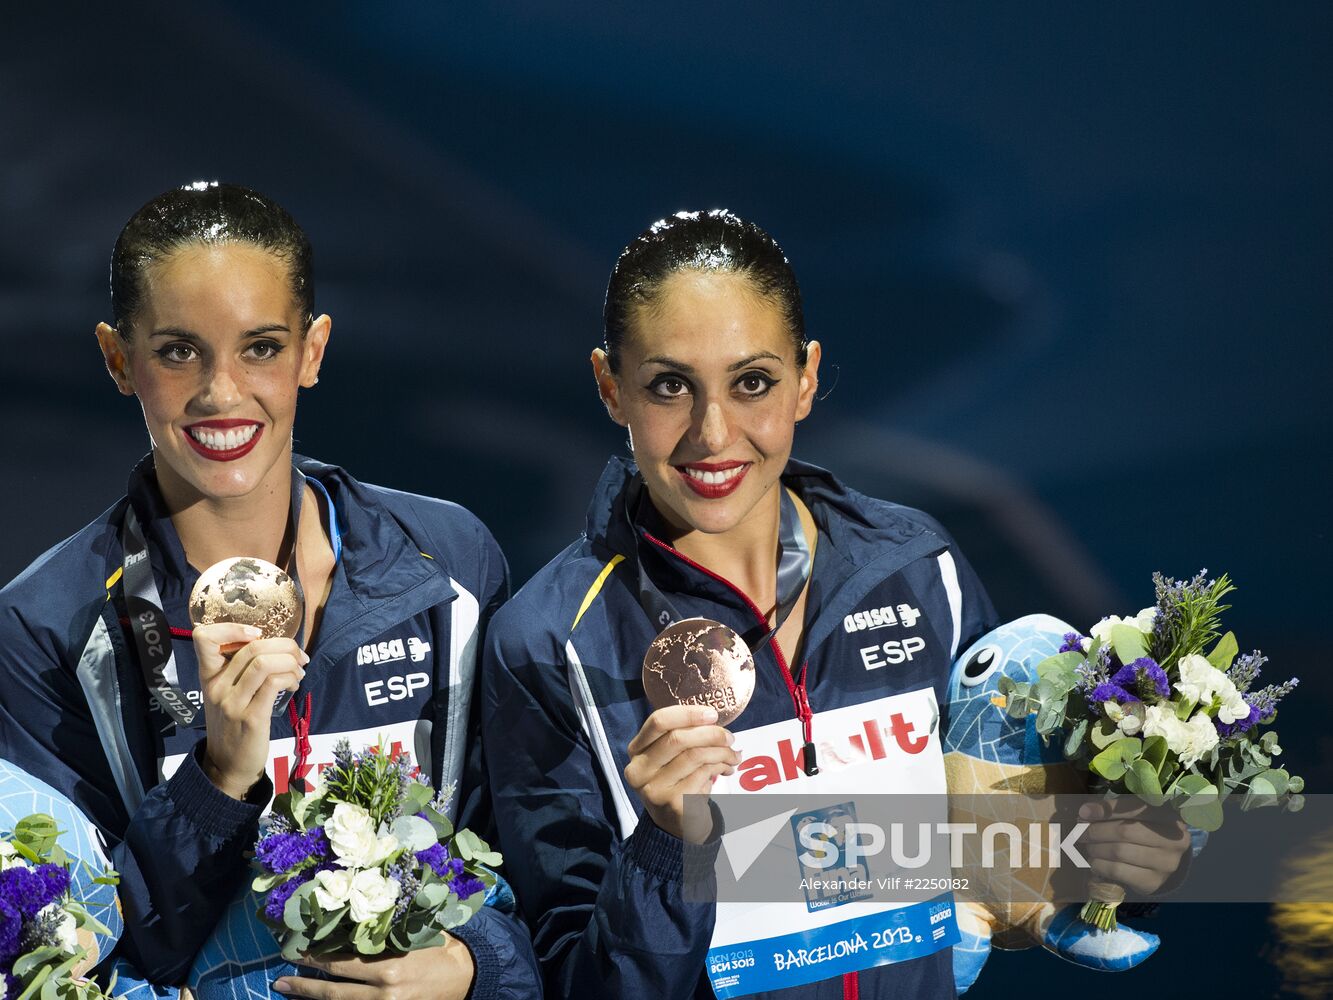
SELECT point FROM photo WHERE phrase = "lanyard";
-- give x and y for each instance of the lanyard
(148, 622)
(793, 569)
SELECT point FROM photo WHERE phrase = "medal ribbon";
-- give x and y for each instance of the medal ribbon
(148, 622)
(793, 570)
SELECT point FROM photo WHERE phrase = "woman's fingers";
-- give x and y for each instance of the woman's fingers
(664, 720)
(671, 745)
(209, 643)
(661, 787)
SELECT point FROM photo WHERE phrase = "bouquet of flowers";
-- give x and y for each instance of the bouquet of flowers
(1161, 706)
(368, 862)
(46, 935)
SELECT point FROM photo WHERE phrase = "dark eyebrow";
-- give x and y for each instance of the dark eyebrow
(680, 366)
(667, 362)
(180, 334)
(745, 362)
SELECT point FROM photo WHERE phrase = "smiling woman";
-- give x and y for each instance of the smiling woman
(173, 748)
(706, 363)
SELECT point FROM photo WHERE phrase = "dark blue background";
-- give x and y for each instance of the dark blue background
(1068, 263)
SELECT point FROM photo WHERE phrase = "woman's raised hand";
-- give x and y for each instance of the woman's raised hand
(239, 691)
(678, 752)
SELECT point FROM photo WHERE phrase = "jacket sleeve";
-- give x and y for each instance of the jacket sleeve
(978, 613)
(501, 948)
(179, 854)
(610, 917)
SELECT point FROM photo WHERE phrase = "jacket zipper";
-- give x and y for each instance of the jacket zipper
(800, 698)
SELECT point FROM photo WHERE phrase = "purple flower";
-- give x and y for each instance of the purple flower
(440, 862)
(280, 852)
(1073, 643)
(466, 885)
(27, 890)
(1145, 677)
(1110, 691)
(276, 901)
(11, 923)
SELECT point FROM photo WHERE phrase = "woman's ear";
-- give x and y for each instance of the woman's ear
(608, 386)
(809, 383)
(114, 352)
(314, 342)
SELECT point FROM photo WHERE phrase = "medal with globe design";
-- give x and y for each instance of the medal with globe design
(248, 591)
(699, 661)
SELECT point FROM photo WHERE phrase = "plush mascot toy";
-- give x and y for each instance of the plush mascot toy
(22, 795)
(987, 751)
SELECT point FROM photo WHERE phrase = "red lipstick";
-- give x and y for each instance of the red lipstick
(221, 427)
(714, 490)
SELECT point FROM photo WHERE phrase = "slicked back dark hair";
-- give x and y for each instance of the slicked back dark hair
(206, 212)
(717, 241)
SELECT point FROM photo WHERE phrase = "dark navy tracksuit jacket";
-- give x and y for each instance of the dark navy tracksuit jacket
(599, 882)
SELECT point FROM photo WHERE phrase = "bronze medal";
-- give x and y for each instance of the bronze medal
(248, 591)
(698, 661)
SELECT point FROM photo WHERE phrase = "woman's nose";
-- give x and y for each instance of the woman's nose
(220, 392)
(713, 431)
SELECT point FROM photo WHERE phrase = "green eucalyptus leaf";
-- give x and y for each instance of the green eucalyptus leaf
(1051, 716)
(1078, 733)
(1059, 667)
(1128, 642)
(1296, 785)
(1141, 779)
(297, 906)
(1154, 752)
(1202, 809)
(443, 828)
(1112, 762)
(1224, 652)
(1104, 734)
(35, 959)
(414, 833)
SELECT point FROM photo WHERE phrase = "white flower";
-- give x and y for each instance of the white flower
(1199, 679)
(1128, 718)
(352, 836)
(1201, 682)
(4, 988)
(1142, 621)
(372, 894)
(332, 889)
(10, 858)
(1187, 740)
(1085, 643)
(1203, 737)
(66, 930)
(67, 934)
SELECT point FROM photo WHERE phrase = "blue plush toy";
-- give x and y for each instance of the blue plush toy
(986, 750)
(23, 795)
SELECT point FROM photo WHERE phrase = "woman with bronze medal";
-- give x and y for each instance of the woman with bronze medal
(172, 737)
(739, 570)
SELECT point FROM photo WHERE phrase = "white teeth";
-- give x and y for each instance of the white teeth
(714, 478)
(224, 440)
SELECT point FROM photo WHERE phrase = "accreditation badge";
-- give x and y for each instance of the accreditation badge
(841, 925)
